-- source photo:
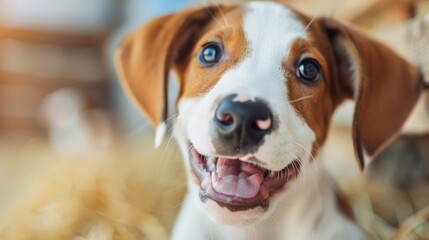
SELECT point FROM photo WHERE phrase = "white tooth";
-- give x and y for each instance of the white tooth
(272, 174)
(211, 164)
(214, 180)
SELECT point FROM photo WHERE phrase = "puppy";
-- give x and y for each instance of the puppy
(258, 85)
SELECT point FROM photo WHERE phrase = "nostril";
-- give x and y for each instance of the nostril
(226, 119)
(263, 125)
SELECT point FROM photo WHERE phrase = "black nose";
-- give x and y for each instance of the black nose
(242, 124)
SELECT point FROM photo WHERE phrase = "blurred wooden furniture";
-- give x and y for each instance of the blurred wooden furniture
(365, 13)
(49, 45)
(35, 63)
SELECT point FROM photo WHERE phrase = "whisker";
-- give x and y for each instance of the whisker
(288, 175)
(301, 169)
(305, 149)
(222, 15)
(300, 99)
(298, 159)
(207, 7)
(297, 169)
(170, 137)
(164, 159)
(137, 130)
(312, 19)
(179, 205)
(169, 118)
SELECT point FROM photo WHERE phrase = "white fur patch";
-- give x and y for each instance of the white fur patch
(243, 98)
(160, 134)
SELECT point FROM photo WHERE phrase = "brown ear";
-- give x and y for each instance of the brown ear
(145, 57)
(384, 85)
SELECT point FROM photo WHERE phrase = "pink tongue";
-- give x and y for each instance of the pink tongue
(236, 178)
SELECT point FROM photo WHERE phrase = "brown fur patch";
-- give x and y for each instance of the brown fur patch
(145, 57)
(385, 86)
(312, 101)
(196, 79)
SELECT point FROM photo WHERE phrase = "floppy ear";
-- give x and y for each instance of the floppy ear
(385, 87)
(145, 58)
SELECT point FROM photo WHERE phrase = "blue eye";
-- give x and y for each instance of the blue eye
(211, 54)
(308, 70)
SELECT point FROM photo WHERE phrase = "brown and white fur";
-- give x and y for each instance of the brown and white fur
(263, 44)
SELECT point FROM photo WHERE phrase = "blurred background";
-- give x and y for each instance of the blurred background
(57, 72)
(60, 101)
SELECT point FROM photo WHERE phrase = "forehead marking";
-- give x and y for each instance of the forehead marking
(270, 28)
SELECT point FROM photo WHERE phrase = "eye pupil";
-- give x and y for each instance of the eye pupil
(308, 70)
(211, 54)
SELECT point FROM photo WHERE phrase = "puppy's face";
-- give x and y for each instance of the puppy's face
(258, 85)
(254, 107)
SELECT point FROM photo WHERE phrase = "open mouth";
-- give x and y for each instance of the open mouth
(238, 185)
